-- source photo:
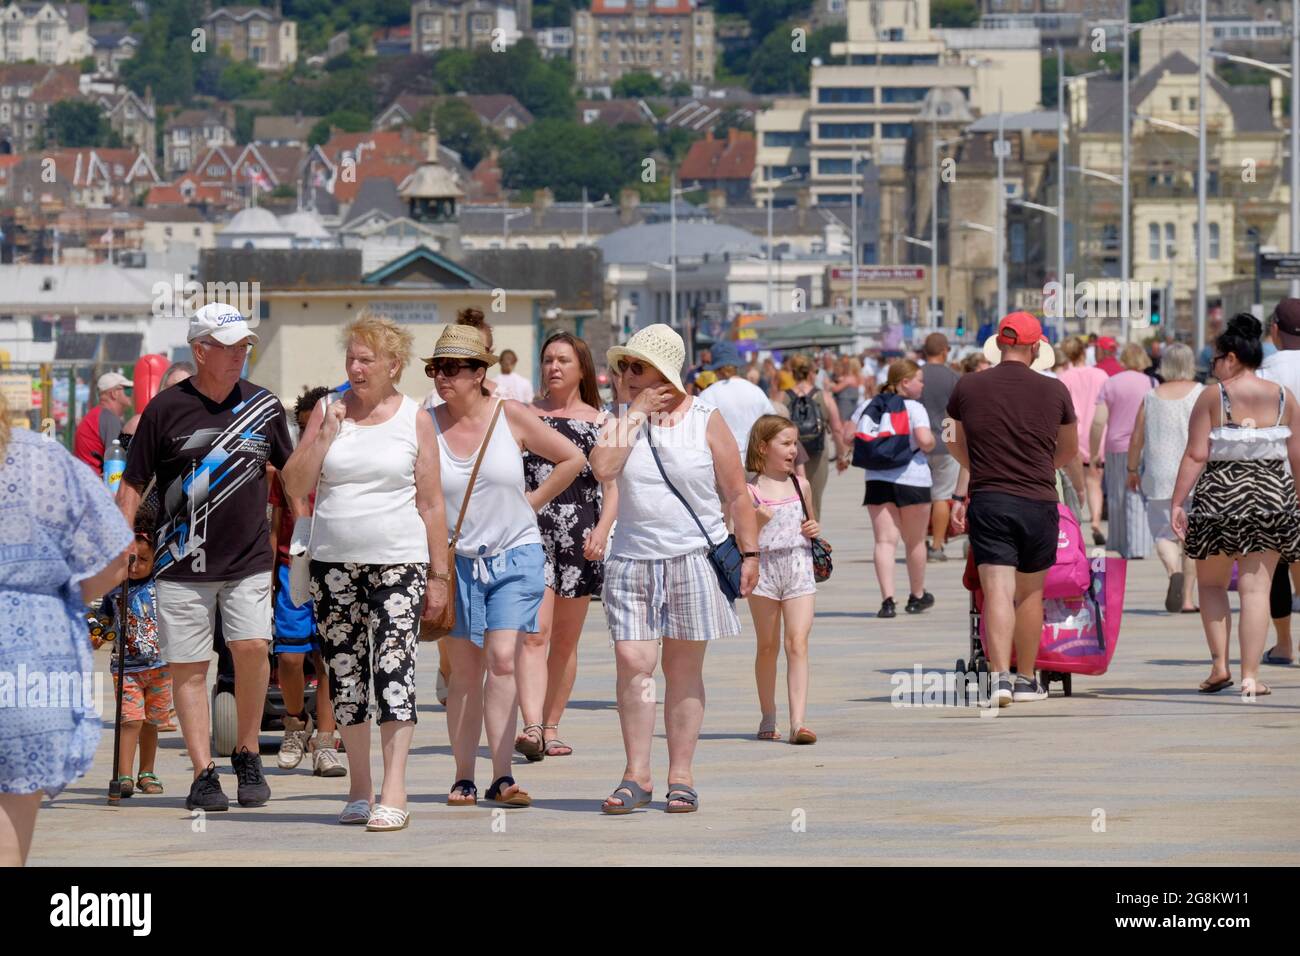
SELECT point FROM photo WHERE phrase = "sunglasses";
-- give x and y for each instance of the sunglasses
(448, 368)
(638, 368)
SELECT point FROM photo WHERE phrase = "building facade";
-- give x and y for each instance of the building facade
(670, 39)
(47, 33)
(27, 91)
(464, 24)
(190, 134)
(254, 34)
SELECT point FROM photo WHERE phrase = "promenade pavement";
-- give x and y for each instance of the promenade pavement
(1134, 768)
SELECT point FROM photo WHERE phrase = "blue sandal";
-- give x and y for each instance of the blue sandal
(639, 797)
(682, 794)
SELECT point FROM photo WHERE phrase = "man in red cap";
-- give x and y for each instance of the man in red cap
(1106, 361)
(1012, 428)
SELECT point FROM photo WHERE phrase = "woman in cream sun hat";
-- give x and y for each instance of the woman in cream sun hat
(659, 584)
(462, 342)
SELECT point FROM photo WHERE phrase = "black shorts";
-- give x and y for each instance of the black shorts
(1010, 530)
(891, 493)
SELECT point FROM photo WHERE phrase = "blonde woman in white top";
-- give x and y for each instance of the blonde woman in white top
(659, 584)
(500, 564)
(377, 540)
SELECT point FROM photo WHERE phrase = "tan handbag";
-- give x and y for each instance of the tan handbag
(441, 626)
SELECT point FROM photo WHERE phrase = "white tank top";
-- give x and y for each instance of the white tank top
(499, 516)
(365, 505)
(652, 523)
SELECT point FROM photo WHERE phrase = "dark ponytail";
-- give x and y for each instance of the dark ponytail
(1242, 339)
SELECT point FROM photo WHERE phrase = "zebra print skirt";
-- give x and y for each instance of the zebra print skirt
(1241, 507)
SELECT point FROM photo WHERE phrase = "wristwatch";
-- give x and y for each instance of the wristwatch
(749, 554)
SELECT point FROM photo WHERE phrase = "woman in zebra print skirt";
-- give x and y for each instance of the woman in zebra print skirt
(1244, 500)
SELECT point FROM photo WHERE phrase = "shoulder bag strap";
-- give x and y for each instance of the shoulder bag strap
(311, 527)
(473, 475)
(799, 491)
(655, 452)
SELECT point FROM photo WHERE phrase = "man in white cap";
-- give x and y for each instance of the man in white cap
(208, 440)
(103, 423)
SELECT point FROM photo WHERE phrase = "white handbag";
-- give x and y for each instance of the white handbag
(300, 541)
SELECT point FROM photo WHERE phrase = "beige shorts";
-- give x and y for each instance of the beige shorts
(187, 615)
(944, 471)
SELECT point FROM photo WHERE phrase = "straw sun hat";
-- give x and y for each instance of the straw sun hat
(656, 345)
(462, 342)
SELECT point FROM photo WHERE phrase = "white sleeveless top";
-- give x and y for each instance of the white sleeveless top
(652, 523)
(1164, 439)
(365, 504)
(1230, 441)
(499, 516)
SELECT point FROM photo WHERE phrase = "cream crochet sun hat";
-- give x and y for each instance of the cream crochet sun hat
(656, 345)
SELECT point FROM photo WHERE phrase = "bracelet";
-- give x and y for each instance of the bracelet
(749, 554)
(440, 575)
(1134, 471)
(960, 499)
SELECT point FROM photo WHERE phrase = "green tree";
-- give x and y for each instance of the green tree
(953, 13)
(637, 84)
(777, 68)
(75, 123)
(679, 89)
(239, 80)
(166, 60)
(564, 155)
(459, 128)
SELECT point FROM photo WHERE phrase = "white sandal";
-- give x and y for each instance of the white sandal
(383, 819)
(358, 811)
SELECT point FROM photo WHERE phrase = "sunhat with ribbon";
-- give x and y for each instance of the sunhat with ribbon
(462, 342)
(656, 345)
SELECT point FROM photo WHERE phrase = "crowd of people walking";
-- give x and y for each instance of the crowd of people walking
(484, 520)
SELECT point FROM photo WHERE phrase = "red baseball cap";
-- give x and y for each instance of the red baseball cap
(1107, 344)
(1019, 328)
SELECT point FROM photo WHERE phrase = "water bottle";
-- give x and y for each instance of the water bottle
(114, 465)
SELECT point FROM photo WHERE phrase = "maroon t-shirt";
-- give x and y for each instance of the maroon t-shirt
(1012, 417)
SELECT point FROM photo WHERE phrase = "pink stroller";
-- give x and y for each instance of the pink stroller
(1083, 601)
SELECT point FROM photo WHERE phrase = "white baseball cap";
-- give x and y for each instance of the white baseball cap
(112, 380)
(222, 322)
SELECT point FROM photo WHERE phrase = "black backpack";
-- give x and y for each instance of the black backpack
(809, 418)
(883, 438)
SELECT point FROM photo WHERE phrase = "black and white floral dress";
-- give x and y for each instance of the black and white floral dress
(572, 515)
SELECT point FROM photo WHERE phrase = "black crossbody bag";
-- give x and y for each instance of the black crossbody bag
(725, 557)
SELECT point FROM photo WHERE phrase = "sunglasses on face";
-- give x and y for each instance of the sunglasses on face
(637, 368)
(448, 368)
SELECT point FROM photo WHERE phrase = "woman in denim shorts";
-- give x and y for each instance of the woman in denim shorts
(499, 559)
(659, 582)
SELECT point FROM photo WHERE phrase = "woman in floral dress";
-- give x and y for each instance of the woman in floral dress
(575, 527)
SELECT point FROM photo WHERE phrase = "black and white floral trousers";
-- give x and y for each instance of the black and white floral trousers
(368, 618)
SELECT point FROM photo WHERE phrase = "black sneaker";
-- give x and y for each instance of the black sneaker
(254, 791)
(915, 605)
(206, 792)
(887, 609)
(934, 554)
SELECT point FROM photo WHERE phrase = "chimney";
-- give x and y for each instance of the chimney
(1275, 96)
(431, 146)
(804, 202)
(628, 200)
(717, 202)
(542, 200)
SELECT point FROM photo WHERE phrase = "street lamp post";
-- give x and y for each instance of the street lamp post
(935, 144)
(1295, 138)
(771, 196)
(853, 232)
(590, 205)
(1203, 227)
(505, 225)
(1000, 149)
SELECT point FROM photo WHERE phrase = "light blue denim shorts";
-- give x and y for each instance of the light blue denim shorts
(502, 592)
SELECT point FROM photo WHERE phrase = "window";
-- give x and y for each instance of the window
(1153, 241)
(780, 172)
(1214, 240)
(845, 130)
(1018, 242)
(779, 138)
(835, 199)
(1169, 240)
(225, 31)
(835, 167)
(1191, 102)
(257, 30)
(903, 94)
(845, 94)
(1174, 103)
(895, 130)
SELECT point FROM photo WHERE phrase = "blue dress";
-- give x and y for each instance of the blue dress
(58, 527)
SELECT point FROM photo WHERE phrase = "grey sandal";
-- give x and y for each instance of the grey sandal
(638, 797)
(684, 794)
(531, 743)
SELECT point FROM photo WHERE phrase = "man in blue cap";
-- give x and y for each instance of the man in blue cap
(740, 401)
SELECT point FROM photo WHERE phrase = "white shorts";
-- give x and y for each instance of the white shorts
(785, 573)
(944, 471)
(187, 615)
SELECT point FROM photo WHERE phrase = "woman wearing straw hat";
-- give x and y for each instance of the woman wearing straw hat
(378, 561)
(659, 583)
(500, 564)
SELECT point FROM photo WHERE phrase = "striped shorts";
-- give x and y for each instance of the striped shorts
(668, 597)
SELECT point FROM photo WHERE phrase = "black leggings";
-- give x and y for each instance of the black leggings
(1279, 598)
